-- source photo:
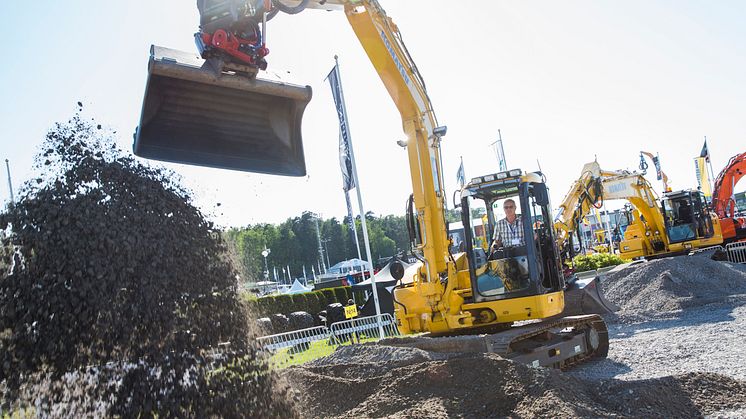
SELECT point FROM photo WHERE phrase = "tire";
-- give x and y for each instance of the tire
(264, 326)
(334, 313)
(279, 323)
(300, 320)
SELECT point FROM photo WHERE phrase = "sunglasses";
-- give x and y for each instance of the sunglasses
(509, 207)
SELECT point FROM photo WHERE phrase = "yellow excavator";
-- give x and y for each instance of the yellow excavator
(675, 224)
(218, 109)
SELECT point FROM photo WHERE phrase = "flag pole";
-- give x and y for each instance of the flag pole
(353, 227)
(360, 203)
(10, 184)
(708, 160)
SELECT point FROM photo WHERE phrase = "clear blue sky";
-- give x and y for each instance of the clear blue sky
(564, 81)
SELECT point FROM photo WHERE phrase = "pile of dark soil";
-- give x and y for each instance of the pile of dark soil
(118, 298)
(675, 283)
(486, 385)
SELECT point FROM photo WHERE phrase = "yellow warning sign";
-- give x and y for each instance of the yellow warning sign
(350, 311)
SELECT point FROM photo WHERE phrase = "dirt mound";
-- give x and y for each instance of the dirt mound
(110, 265)
(674, 283)
(486, 385)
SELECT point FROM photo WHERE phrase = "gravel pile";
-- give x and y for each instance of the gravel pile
(486, 385)
(117, 299)
(675, 283)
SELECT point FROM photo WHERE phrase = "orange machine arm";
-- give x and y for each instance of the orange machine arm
(722, 197)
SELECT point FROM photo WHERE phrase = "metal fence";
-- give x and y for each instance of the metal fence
(364, 329)
(736, 252)
(300, 346)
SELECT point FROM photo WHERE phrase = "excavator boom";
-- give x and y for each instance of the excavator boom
(723, 203)
(218, 109)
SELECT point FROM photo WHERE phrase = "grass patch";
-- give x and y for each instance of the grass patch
(300, 354)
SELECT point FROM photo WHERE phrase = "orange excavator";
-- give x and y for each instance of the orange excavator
(732, 222)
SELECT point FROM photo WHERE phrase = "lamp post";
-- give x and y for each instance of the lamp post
(326, 250)
(266, 253)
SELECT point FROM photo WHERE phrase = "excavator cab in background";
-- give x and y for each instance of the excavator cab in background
(686, 216)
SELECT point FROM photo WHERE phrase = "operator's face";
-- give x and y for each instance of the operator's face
(509, 208)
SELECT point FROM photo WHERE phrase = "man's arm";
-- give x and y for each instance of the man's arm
(498, 242)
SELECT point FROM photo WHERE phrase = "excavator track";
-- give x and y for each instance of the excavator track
(557, 343)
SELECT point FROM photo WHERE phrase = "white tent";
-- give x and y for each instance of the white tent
(297, 288)
(384, 275)
(351, 265)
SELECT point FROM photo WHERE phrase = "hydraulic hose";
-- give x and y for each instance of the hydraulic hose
(393, 296)
(288, 9)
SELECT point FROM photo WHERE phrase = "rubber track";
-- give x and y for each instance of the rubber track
(501, 342)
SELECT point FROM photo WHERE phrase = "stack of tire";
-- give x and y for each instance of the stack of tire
(280, 323)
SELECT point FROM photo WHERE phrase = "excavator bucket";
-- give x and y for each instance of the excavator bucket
(584, 296)
(195, 114)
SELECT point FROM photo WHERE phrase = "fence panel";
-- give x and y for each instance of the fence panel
(297, 347)
(364, 329)
(736, 252)
(300, 346)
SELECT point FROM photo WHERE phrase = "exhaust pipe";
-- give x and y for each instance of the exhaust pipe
(195, 114)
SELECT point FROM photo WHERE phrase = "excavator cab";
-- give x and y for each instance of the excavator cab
(522, 258)
(686, 216)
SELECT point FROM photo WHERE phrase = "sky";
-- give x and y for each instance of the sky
(565, 82)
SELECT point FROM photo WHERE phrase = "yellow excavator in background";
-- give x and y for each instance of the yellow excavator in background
(675, 224)
(219, 111)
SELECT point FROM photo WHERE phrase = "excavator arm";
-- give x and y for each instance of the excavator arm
(593, 186)
(585, 192)
(660, 173)
(722, 197)
(723, 202)
(222, 110)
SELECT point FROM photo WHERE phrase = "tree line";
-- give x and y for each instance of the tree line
(294, 243)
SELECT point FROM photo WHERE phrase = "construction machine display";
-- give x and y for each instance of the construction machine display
(732, 221)
(219, 110)
(675, 224)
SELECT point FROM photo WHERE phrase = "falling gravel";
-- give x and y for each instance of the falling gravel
(116, 298)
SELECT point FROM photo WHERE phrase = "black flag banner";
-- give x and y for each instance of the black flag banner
(344, 132)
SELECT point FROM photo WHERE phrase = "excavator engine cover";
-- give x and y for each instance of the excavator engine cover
(194, 114)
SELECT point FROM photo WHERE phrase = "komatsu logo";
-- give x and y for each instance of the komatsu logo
(398, 63)
(619, 187)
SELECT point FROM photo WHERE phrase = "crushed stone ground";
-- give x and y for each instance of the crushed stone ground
(485, 385)
(676, 350)
(674, 283)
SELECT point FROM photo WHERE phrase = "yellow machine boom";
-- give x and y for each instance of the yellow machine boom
(450, 293)
(657, 226)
